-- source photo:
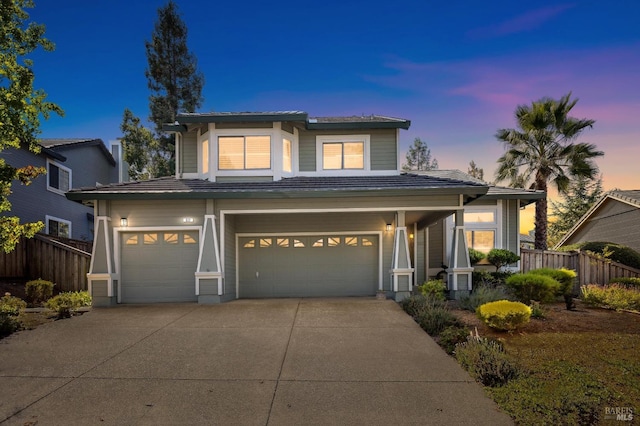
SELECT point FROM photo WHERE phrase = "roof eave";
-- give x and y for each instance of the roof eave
(253, 118)
(360, 125)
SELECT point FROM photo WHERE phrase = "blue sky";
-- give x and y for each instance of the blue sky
(456, 69)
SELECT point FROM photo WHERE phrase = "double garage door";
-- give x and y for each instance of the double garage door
(308, 266)
(158, 266)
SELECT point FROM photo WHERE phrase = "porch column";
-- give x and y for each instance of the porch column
(209, 271)
(401, 270)
(102, 280)
(460, 269)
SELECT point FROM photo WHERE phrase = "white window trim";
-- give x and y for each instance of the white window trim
(60, 166)
(322, 139)
(477, 226)
(47, 218)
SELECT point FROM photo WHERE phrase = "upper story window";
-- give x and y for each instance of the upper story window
(58, 178)
(244, 152)
(348, 152)
(286, 155)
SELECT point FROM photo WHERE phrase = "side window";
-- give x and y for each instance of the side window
(58, 178)
(58, 227)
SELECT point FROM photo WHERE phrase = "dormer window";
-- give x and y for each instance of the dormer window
(244, 152)
(348, 152)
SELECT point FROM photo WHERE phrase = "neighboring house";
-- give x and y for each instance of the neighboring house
(280, 204)
(527, 241)
(69, 163)
(615, 218)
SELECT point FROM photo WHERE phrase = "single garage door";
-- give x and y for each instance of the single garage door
(308, 266)
(158, 266)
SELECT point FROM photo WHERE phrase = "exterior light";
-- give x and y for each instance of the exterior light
(124, 222)
(187, 220)
(388, 227)
(411, 236)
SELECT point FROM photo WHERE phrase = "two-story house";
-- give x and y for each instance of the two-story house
(280, 204)
(68, 163)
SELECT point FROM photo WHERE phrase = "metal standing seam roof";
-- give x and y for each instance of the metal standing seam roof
(171, 187)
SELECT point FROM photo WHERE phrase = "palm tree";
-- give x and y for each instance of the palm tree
(543, 149)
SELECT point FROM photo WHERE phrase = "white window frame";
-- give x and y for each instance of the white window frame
(323, 139)
(495, 226)
(61, 167)
(47, 218)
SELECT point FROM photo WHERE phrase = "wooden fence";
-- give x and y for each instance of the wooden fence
(591, 269)
(46, 258)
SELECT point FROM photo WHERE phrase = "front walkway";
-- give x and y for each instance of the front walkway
(249, 362)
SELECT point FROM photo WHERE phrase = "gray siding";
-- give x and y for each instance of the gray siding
(436, 246)
(383, 148)
(340, 203)
(89, 165)
(614, 222)
(158, 213)
(512, 226)
(244, 178)
(32, 203)
(419, 257)
(189, 154)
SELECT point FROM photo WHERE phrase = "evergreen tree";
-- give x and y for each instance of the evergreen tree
(475, 171)
(580, 196)
(21, 106)
(175, 85)
(419, 157)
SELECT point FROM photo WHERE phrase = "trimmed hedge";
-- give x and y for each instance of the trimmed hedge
(616, 252)
(528, 287)
(38, 291)
(504, 314)
(627, 282)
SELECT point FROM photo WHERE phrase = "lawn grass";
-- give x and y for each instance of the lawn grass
(571, 378)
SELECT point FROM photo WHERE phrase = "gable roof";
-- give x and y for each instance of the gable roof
(330, 186)
(57, 145)
(311, 123)
(630, 197)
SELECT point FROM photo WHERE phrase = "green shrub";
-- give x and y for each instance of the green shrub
(612, 296)
(481, 295)
(502, 257)
(615, 252)
(566, 278)
(528, 287)
(627, 282)
(415, 304)
(452, 336)
(504, 314)
(558, 393)
(476, 256)
(64, 304)
(38, 291)
(486, 361)
(10, 309)
(435, 320)
(434, 289)
(489, 279)
(537, 311)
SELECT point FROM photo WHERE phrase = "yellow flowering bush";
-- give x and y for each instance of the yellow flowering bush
(504, 314)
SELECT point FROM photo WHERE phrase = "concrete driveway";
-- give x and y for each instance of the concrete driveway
(249, 362)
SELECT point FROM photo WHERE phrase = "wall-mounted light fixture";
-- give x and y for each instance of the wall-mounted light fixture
(411, 236)
(187, 220)
(388, 227)
(124, 222)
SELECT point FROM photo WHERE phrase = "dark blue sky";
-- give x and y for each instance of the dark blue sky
(457, 69)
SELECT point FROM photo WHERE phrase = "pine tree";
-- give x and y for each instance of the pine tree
(581, 195)
(475, 171)
(175, 85)
(419, 157)
(21, 106)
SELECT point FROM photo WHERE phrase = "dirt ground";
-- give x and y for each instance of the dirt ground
(558, 319)
(16, 288)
